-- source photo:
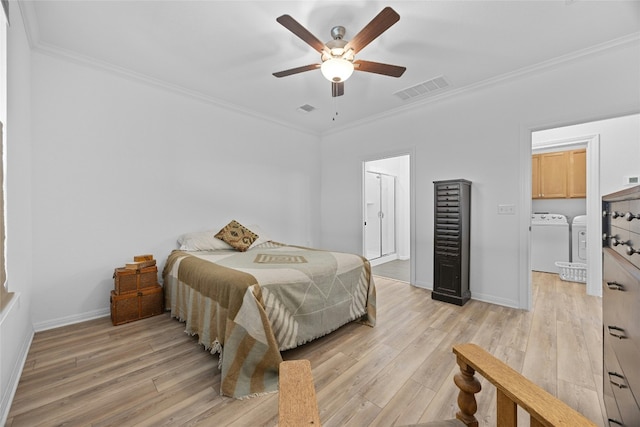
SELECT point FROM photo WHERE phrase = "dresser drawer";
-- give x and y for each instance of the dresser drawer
(621, 314)
(625, 215)
(626, 243)
(616, 213)
(618, 396)
(634, 208)
(622, 227)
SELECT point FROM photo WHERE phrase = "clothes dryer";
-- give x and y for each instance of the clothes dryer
(549, 241)
(579, 239)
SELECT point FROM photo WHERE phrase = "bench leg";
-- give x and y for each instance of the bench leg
(469, 386)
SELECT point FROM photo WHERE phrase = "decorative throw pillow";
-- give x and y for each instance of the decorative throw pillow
(202, 241)
(237, 235)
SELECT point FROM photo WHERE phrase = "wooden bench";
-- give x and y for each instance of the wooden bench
(298, 404)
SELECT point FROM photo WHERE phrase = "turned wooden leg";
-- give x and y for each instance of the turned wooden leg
(469, 386)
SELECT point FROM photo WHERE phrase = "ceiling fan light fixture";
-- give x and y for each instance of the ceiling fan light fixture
(336, 69)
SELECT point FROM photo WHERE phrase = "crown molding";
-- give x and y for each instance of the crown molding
(30, 20)
(493, 81)
(94, 63)
(29, 17)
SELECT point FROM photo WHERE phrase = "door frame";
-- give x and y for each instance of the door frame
(412, 226)
(593, 208)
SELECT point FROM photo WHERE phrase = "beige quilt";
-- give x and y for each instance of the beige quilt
(249, 306)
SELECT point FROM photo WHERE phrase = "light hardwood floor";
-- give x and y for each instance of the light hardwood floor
(396, 269)
(150, 373)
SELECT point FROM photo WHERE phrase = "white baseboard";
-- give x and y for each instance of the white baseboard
(491, 299)
(70, 320)
(424, 285)
(383, 259)
(7, 399)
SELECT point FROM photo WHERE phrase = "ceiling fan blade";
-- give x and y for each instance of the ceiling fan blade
(296, 28)
(378, 68)
(296, 70)
(337, 89)
(373, 29)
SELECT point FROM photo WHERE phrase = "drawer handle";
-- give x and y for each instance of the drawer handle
(615, 241)
(616, 331)
(629, 216)
(618, 380)
(616, 422)
(631, 251)
(614, 286)
(613, 214)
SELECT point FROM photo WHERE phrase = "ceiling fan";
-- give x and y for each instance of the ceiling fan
(338, 55)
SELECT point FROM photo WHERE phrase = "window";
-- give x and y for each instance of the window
(5, 295)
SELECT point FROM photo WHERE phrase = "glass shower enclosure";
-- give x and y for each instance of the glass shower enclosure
(380, 234)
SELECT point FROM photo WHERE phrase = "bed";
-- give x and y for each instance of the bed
(250, 305)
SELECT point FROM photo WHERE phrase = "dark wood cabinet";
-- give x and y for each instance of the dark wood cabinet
(621, 306)
(452, 208)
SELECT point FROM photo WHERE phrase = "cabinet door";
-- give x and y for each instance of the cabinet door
(535, 177)
(553, 175)
(577, 173)
(447, 275)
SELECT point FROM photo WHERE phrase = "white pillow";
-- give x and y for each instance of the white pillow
(202, 241)
(262, 236)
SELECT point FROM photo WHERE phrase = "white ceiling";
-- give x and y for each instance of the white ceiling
(225, 51)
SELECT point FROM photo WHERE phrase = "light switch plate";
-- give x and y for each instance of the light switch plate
(506, 209)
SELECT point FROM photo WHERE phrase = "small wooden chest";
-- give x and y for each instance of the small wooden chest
(128, 280)
(136, 305)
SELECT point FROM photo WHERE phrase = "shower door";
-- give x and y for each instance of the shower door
(380, 234)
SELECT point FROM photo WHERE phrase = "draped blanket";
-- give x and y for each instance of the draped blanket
(249, 306)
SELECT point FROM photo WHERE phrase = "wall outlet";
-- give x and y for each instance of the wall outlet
(506, 209)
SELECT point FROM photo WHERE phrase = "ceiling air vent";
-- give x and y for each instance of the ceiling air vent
(435, 85)
(306, 108)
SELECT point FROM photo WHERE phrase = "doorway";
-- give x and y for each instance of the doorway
(380, 210)
(606, 173)
(387, 216)
(553, 218)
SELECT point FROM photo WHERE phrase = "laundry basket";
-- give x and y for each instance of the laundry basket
(573, 271)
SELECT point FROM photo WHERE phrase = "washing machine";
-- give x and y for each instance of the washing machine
(579, 239)
(549, 241)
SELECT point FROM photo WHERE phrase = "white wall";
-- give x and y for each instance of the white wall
(16, 329)
(122, 167)
(477, 136)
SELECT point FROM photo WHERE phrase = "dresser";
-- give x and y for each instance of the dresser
(452, 222)
(621, 306)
